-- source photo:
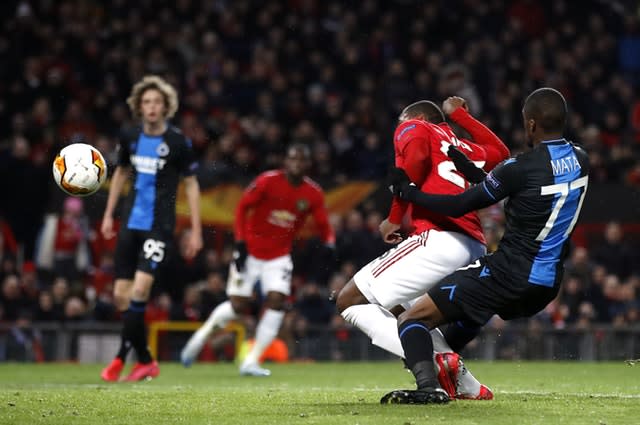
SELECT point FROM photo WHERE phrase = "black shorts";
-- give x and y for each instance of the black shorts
(146, 251)
(473, 293)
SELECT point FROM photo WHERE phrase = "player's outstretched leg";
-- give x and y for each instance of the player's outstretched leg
(418, 347)
(379, 325)
(421, 396)
(265, 333)
(219, 317)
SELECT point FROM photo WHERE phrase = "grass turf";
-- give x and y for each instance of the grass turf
(317, 393)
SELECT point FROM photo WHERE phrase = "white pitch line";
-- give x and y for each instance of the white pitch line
(138, 386)
(559, 393)
(517, 392)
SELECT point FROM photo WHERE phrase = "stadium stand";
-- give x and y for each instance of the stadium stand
(333, 75)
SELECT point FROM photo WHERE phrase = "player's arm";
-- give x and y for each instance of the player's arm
(188, 166)
(192, 190)
(455, 108)
(250, 197)
(321, 217)
(118, 179)
(412, 150)
(464, 165)
(503, 181)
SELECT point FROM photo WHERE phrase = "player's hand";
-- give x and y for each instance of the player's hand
(400, 185)
(106, 228)
(329, 254)
(194, 245)
(240, 254)
(396, 178)
(389, 232)
(452, 103)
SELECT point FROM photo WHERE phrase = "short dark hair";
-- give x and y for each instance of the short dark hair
(300, 147)
(548, 107)
(429, 110)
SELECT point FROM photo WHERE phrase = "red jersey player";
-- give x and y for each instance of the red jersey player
(438, 245)
(270, 213)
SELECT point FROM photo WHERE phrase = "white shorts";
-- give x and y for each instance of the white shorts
(408, 270)
(274, 275)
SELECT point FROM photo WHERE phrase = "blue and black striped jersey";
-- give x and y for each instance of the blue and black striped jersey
(158, 164)
(545, 188)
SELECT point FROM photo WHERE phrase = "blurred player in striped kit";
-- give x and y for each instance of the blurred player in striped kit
(157, 156)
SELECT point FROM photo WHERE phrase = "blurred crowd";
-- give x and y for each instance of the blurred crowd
(254, 76)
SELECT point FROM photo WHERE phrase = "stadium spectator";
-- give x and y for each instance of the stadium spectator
(60, 292)
(24, 209)
(614, 253)
(13, 301)
(212, 293)
(313, 305)
(57, 56)
(353, 241)
(189, 309)
(63, 245)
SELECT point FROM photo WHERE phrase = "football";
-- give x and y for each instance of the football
(79, 169)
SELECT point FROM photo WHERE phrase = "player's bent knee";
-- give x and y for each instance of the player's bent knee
(239, 304)
(121, 302)
(349, 296)
(140, 294)
(424, 310)
(275, 300)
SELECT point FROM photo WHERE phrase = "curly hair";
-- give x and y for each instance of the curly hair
(154, 82)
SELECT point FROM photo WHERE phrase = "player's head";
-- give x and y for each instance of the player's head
(422, 110)
(152, 99)
(545, 114)
(297, 161)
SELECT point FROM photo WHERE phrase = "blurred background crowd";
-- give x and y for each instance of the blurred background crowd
(254, 76)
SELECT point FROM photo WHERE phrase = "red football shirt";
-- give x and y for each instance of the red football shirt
(421, 150)
(272, 210)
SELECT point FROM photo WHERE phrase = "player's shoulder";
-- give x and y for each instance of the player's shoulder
(312, 184)
(512, 167)
(129, 134)
(526, 157)
(270, 175)
(175, 135)
(410, 129)
(580, 150)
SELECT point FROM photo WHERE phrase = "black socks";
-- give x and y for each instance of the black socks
(125, 344)
(135, 330)
(418, 350)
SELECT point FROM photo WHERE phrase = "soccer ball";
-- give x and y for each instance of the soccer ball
(79, 169)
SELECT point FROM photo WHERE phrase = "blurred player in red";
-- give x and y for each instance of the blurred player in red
(437, 246)
(270, 213)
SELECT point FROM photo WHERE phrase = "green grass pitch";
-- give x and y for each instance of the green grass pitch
(317, 393)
